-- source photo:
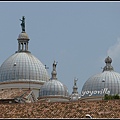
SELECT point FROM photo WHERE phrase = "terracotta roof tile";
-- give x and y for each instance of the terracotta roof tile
(78, 109)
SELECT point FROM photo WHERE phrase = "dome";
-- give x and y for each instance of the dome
(23, 36)
(53, 87)
(23, 66)
(108, 60)
(107, 82)
(22, 70)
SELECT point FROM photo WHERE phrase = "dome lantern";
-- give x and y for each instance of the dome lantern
(23, 38)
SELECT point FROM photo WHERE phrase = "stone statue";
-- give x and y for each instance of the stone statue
(75, 80)
(23, 24)
(54, 65)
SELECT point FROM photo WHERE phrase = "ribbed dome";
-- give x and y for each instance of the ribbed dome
(53, 87)
(22, 70)
(23, 66)
(107, 82)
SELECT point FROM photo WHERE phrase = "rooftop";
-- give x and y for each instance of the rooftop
(77, 109)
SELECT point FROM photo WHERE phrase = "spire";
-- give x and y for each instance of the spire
(54, 73)
(23, 38)
(75, 87)
(108, 66)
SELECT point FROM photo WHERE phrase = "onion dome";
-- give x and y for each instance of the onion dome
(107, 82)
(23, 66)
(108, 66)
(53, 88)
(75, 95)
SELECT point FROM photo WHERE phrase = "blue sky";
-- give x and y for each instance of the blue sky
(78, 35)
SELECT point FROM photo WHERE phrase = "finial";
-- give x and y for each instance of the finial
(108, 60)
(23, 24)
(108, 66)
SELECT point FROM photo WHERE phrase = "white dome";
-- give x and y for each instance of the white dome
(53, 88)
(23, 66)
(107, 82)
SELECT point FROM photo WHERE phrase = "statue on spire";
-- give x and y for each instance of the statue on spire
(54, 65)
(75, 80)
(23, 24)
(54, 73)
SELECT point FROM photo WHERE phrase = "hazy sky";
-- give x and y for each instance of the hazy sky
(78, 35)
